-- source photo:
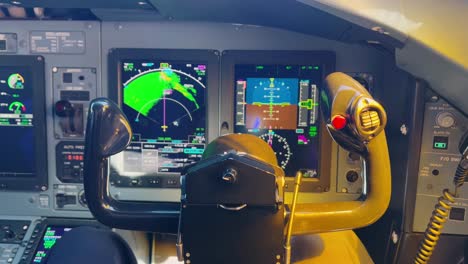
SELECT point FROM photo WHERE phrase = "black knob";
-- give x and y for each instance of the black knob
(64, 108)
(353, 156)
(352, 176)
(229, 176)
(82, 199)
(9, 234)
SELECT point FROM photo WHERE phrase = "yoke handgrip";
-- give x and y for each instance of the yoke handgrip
(363, 134)
(108, 133)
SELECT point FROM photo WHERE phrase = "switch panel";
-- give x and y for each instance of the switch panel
(442, 130)
(70, 161)
(73, 89)
(69, 197)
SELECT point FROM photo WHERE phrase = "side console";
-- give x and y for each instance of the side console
(442, 130)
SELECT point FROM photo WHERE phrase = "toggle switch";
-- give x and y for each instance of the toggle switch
(64, 108)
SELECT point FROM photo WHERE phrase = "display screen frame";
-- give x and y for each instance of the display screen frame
(60, 223)
(325, 59)
(39, 180)
(210, 58)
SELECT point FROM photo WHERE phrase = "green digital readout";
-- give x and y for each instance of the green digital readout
(440, 142)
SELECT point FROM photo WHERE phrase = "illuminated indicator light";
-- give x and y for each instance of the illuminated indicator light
(316, 67)
(339, 122)
(303, 67)
(299, 130)
(259, 67)
(440, 145)
(288, 67)
(440, 142)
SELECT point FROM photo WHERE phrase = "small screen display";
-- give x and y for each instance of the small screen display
(3, 44)
(164, 102)
(16, 122)
(280, 104)
(50, 237)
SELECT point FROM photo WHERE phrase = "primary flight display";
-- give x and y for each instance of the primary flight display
(279, 104)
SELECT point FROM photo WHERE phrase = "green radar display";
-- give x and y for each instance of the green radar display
(163, 99)
(164, 102)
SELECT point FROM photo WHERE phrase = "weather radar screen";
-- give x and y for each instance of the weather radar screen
(165, 104)
(279, 104)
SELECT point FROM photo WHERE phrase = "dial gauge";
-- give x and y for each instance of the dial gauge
(280, 146)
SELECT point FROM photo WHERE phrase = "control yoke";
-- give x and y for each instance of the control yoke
(108, 133)
(356, 122)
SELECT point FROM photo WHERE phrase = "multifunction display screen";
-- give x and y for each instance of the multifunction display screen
(280, 104)
(164, 102)
(49, 239)
(16, 122)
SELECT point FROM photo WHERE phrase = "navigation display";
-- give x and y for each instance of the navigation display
(164, 102)
(280, 104)
(16, 122)
(49, 239)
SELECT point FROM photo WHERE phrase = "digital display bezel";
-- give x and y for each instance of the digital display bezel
(210, 58)
(38, 181)
(41, 240)
(61, 223)
(325, 59)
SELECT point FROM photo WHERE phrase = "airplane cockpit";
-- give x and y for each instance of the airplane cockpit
(222, 132)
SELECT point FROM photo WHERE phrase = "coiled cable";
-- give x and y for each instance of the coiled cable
(460, 176)
(435, 226)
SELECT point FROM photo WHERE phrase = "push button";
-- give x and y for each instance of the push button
(457, 214)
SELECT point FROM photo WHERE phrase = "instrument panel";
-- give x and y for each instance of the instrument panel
(177, 101)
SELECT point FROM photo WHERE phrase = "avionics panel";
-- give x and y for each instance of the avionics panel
(277, 98)
(443, 129)
(22, 123)
(163, 94)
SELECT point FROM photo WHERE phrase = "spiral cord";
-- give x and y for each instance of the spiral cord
(460, 176)
(435, 226)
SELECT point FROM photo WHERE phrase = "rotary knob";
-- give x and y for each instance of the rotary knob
(64, 108)
(445, 119)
